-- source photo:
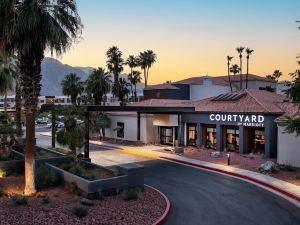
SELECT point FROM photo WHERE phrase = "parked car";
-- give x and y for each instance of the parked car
(43, 120)
(58, 125)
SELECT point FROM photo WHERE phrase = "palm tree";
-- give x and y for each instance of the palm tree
(31, 27)
(248, 52)
(72, 86)
(145, 60)
(124, 91)
(229, 58)
(8, 71)
(234, 69)
(132, 62)
(240, 51)
(115, 66)
(135, 80)
(98, 85)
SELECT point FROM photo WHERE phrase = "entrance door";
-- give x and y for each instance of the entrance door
(166, 135)
(192, 134)
(210, 137)
(259, 140)
(232, 139)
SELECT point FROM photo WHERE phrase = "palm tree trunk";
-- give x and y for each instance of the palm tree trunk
(5, 102)
(135, 96)
(229, 79)
(247, 73)
(241, 74)
(145, 77)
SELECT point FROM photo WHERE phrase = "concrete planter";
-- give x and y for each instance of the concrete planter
(129, 175)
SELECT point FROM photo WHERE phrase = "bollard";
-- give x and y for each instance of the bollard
(228, 159)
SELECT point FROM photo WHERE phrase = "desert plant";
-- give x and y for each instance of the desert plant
(130, 194)
(80, 211)
(13, 168)
(19, 200)
(73, 188)
(45, 177)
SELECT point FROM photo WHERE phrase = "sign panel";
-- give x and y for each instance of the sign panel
(240, 120)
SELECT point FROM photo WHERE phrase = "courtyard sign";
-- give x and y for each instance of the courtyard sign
(240, 120)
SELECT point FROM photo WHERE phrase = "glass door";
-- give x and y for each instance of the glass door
(192, 134)
(166, 135)
(232, 139)
(211, 138)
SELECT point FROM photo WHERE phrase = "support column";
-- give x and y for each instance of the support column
(179, 132)
(242, 140)
(174, 138)
(138, 126)
(87, 135)
(53, 127)
(219, 137)
(270, 139)
(199, 135)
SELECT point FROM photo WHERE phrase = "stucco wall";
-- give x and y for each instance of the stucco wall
(288, 148)
(130, 127)
(207, 90)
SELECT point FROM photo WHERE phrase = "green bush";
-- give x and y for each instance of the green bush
(80, 211)
(74, 188)
(66, 166)
(130, 194)
(45, 177)
(13, 168)
(79, 170)
(19, 200)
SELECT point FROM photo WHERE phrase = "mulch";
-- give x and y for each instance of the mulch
(112, 210)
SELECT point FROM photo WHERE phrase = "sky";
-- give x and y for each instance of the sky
(190, 37)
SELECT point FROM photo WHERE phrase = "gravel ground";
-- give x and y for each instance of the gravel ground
(240, 161)
(111, 211)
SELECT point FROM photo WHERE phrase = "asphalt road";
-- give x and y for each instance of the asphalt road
(204, 198)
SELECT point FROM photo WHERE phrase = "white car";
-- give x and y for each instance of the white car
(58, 125)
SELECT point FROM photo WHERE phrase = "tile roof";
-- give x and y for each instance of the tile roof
(290, 109)
(167, 86)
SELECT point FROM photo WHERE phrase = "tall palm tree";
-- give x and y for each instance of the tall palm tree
(8, 71)
(135, 80)
(130, 79)
(229, 58)
(98, 85)
(72, 86)
(240, 51)
(31, 27)
(132, 62)
(234, 69)
(115, 66)
(248, 52)
(145, 60)
(124, 91)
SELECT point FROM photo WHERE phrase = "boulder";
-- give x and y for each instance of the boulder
(215, 154)
(267, 166)
(85, 201)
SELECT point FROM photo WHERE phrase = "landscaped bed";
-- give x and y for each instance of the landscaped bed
(56, 206)
(247, 162)
(40, 153)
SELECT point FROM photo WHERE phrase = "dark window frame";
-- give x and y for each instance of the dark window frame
(121, 132)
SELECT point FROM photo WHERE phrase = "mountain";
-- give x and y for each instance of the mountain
(54, 71)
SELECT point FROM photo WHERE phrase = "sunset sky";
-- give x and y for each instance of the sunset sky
(190, 37)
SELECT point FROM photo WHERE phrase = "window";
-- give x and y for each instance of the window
(120, 130)
(192, 134)
(232, 139)
(211, 138)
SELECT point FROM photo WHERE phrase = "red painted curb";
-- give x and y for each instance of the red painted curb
(165, 215)
(286, 193)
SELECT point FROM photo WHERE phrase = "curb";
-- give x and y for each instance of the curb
(254, 180)
(165, 215)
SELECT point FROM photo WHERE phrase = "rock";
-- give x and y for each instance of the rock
(267, 166)
(215, 154)
(179, 150)
(85, 201)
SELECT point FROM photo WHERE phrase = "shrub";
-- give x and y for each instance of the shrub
(77, 169)
(19, 200)
(288, 168)
(73, 188)
(45, 177)
(2, 193)
(80, 211)
(2, 173)
(13, 168)
(66, 166)
(130, 194)
(45, 200)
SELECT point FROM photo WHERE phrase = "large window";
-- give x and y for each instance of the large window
(192, 134)
(259, 140)
(211, 138)
(232, 139)
(120, 130)
(166, 135)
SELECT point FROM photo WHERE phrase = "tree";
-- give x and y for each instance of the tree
(240, 51)
(135, 80)
(8, 71)
(234, 69)
(31, 27)
(98, 85)
(145, 60)
(132, 62)
(248, 52)
(98, 122)
(115, 66)
(229, 58)
(124, 91)
(72, 86)
(275, 76)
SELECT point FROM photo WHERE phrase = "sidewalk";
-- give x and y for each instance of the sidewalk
(283, 188)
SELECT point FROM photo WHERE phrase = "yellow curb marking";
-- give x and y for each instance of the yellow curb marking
(148, 155)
